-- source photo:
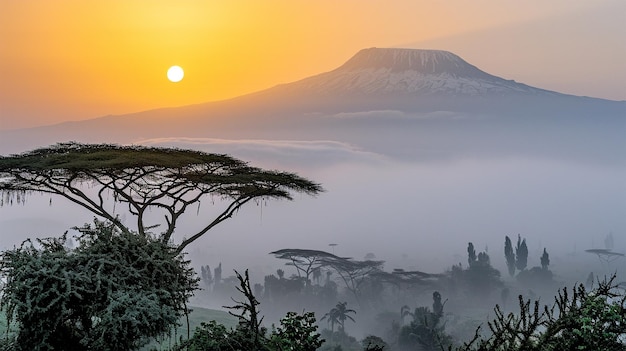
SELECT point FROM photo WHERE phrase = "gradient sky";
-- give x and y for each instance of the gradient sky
(74, 59)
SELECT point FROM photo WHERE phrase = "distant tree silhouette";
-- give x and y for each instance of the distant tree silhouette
(305, 261)
(338, 315)
(537, 276)
(521, 254)
(471, 254)
(217, 274)
(355, 273)
(509, 255)
(480, 278)
(206, 275)
(426, 331)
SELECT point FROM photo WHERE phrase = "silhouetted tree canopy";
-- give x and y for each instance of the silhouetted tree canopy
(521, 253)
(306, 261)
(144, 179)
(354, 273)
(509, 255)
(471, 254)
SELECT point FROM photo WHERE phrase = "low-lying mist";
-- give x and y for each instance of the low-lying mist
(416, 216)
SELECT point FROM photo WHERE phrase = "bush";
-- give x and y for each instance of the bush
(580, 320)
(114, 291)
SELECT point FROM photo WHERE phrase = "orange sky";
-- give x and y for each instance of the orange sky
(74, 59)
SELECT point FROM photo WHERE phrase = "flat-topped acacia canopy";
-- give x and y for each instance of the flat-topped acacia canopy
(144, 178)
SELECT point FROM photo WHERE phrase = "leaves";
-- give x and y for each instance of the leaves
(144, 178)
(112, 292)
(578, 320)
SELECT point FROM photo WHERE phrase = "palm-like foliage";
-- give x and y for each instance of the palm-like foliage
(338, 315)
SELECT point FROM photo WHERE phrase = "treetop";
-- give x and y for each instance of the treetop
(169, 180)
(74, 156)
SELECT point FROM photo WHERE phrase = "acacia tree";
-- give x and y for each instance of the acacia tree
(354, 273)
(145, 179)
(60, 300)
(306, 261)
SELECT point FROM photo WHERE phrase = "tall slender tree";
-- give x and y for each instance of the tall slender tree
(509, 255)
(521, 253)
(471, 254)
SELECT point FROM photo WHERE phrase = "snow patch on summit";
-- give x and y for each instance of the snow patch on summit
(411, 72)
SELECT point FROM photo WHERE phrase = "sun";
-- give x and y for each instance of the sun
(175, 74)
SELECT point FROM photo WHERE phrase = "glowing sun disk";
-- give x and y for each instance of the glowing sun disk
(175, 74)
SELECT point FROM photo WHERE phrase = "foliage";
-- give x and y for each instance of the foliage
(295, 333)
(338, 315)
(112, 292)
(580, 320)
(480, 278)
(306, 261)
(535, 277)
(509, 255)
(356, 273)
(471, 254)
(374, 343)
(427, 330)
(144, 179)
(209, 336)
(206, 276)
(339, 341)
(521, 254)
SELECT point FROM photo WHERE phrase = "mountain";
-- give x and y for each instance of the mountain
(404, 103)
(410, 72)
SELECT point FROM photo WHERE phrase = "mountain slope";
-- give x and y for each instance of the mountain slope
(380, 72)
(400, 102)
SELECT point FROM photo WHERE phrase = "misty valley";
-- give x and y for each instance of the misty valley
(406, 200)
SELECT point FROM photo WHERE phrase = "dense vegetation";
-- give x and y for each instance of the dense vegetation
(114, 291)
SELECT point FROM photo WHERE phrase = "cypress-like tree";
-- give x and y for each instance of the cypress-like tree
(509, 255)
(471, 254)
(521, 253)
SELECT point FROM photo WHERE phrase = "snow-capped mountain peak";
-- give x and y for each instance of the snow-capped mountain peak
(399, 60)
(380, 71)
